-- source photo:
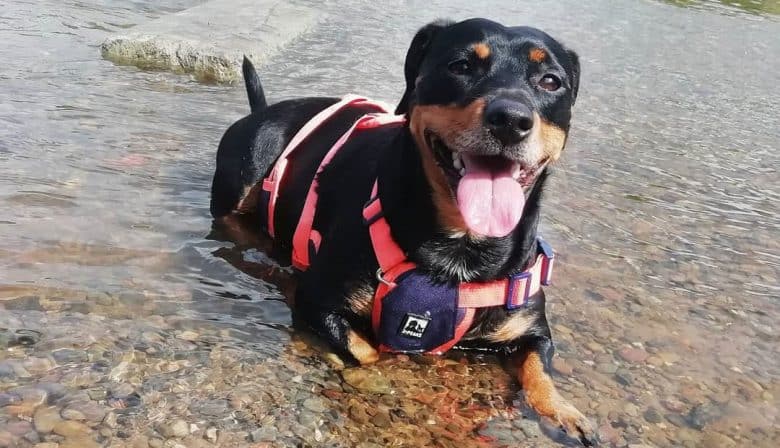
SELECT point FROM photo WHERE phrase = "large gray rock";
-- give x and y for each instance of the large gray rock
(209, 40)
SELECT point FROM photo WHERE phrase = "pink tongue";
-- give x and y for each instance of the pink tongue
(490, 201)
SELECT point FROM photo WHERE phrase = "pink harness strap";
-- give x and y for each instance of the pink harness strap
(273, 181)
(304, 232)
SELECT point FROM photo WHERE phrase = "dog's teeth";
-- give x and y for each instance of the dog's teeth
(462, 172)
(516, 171)
(454, 155)
(457, 163)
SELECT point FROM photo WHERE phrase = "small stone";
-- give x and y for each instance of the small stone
(562, 367)
(367, 381)
(6, 399)
(177, 428)
(72, 414)
(156, 443)
(669, 357)
(308, 418)
(606, 368)
(677, 420)
(631, 410)
(653, 416)
(79, 442)
(25, 303)
(188, 335)
(45, 419)
(655, 361)
(263, 434)
(704, 414)
(46, 445)
(624, 377)
(70, 356)
(110, 420)
(594, 346)
(673, 404)
(381, 420)
(716, 440)
(314, 405)
(609, 434)
(358, 414)
(71, 429)
(211, 435)
(97, 394)
(633, 354)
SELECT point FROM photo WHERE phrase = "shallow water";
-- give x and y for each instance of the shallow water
(120, 310)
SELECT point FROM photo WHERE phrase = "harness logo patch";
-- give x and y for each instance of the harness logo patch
(414, 326)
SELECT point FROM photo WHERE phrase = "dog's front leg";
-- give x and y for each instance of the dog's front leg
(533, 366)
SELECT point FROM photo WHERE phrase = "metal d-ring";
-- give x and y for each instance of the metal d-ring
(382, 279)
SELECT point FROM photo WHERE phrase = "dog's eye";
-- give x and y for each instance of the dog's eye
(460, 67)
(550, 82)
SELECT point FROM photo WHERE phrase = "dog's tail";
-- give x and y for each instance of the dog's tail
(253, 88)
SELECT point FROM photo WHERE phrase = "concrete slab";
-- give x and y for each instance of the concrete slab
(210, 39)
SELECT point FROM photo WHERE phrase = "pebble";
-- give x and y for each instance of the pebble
(46, 445)
(606, 367)
(608, 434)
(68, 356)
(156, 443)
(633, 354)
(703, 414)
(562, 367)
(381, 419)
(716, 440)
(45, 419)
(314, 405)
(97, 394)
(71, 429)
(653, 416)
(366, 380)
(263, 434)
(631, 409)
(211, 435)
(177, 428)
(677, 420)
(624, 377)
(673, 404)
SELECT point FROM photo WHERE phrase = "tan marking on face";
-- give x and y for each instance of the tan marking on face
(361, 349)
(482, 50)
(512, 328)
(448, 123)
(537, 55)
(546, 141)
(361, 299)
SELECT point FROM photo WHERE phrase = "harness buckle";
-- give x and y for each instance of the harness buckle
(518, 290)
(548, 259)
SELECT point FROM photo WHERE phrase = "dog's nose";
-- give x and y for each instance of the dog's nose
(509, 121)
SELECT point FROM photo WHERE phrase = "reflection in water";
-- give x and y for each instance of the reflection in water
(122, 314)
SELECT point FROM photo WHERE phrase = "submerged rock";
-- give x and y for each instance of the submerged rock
(209, 40)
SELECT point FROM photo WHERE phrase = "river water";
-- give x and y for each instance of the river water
(124, 321)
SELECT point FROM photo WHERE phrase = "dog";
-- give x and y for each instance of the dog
(448, 188)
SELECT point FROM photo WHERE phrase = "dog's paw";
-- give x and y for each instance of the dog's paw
(573, 422)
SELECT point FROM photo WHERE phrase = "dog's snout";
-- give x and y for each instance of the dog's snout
(509, 121)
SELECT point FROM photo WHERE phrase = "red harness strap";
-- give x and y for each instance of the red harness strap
(305, 236)
(512, 292)
(273, 181)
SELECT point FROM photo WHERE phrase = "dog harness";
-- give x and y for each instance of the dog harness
(411, 313)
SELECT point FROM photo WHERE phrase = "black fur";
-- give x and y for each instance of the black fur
(393, 156)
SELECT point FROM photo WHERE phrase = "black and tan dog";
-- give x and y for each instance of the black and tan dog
(487, 109)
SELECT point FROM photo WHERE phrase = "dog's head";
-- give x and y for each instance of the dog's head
(489, 107)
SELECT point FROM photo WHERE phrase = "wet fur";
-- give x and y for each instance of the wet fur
(333, 295)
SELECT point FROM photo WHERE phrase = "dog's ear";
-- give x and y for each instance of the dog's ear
(414, 58)
(575, 74)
